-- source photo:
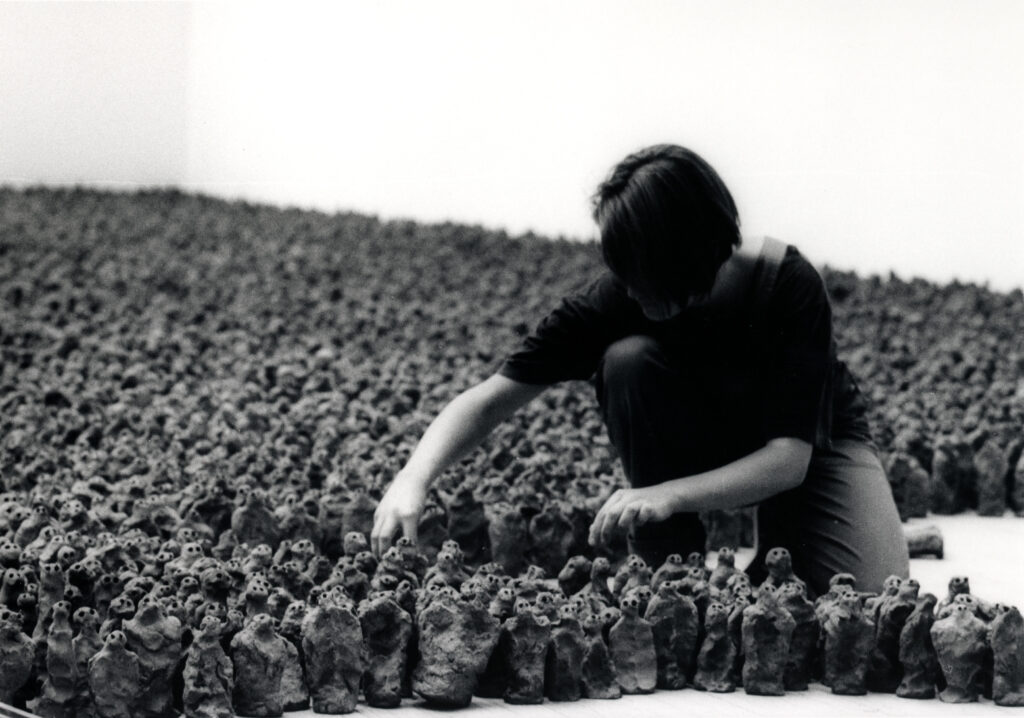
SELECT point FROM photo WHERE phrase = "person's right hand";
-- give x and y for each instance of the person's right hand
(400, 507)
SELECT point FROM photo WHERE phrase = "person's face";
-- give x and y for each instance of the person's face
(657, 310)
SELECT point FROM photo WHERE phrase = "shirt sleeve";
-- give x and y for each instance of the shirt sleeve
(799, 319)
(570, 341)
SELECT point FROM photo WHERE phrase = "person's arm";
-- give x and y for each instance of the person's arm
(778, 466)
(460, 426)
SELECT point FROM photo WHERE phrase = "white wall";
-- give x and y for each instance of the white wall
(93, 92)
(874, 134)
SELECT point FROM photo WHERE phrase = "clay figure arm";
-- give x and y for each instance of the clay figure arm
(780, 465)
(460, 426)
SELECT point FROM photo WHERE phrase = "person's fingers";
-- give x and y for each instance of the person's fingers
(627, 517)
(410, 525)
(381, 536)
(611, 522)
(645, 514)
(597, 526)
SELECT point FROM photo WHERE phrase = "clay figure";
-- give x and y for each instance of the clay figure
(735, 629)
(673, 569)
(916, 652)
(924, 541)
(1006, 637)
(254, 523)
(574, 575)
(631, 644)
(598, 591)
(386, 629)
(332, 643)
(717, 658)
(258, 656)
(803, 645)
(208, 675)
(767, 630)
(957, 585)
(724, 568)
(294, 693)
(675, 624)
(16, 655)
(551, 538)
(522, 648)
(562, 671)
(884, 669)
(86, 645)
(633, 572)
(115, 678)
(58, 691)
(598, 674)
(960, 641)
(779, 564)
(156, 638)
(849, 638)
(992, 464)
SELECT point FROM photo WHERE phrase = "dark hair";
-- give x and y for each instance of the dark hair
(667, 222)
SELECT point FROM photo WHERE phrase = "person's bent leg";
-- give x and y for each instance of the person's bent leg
(841, 519)
(648, 411)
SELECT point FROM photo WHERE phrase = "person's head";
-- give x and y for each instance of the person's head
(667, 224)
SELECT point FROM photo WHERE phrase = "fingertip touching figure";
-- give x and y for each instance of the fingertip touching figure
(715, 367)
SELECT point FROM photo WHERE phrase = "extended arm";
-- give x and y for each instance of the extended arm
(460, 426)
(778, 466)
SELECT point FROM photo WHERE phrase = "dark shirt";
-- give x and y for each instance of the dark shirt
(760, 371)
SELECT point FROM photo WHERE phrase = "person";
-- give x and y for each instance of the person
(716, 373)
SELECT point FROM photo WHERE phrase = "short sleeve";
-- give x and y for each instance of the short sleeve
(570, 341)
(798, 321)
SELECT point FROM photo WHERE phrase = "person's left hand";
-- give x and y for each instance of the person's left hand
(627, 508)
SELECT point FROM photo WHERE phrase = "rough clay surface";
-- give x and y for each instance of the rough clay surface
(631, 642)
(767, 630)
(562, 671)
(675, 623)
(114, 678)
(456, 638)
(960, 644)
(849, 638)
(717, 658)
(917, 654)
(258, 655)
(598, 674)
(387, 629)
(332, 642)
(1006, 636)
(208, 675)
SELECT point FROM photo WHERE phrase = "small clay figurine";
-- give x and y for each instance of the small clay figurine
(1006, 637)
(156, 638)
(960, 641)
(16, 655)
(675, 624)
(562, 671)
(386, 629)
(574, 575)
(767, 630)
(957, 586)
(779, 564)
(86, 645)
(672, 569)
(917, 654)
(114, 678)
(884, 668)
(717, 658)
(631, 644)
(332, 643)
(598, 674)
(849, 638)
(456, 638)
(803, 646)
(208, 675)
(598, 592)
(58, 692)
(724, 569)
(633, 572)
(258, 656)
(522, 647)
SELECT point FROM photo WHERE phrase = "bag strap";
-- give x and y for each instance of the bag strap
(773, 251)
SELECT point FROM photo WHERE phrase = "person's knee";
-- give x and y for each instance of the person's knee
(628, 359)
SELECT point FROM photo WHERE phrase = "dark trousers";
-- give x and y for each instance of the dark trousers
(842, 518)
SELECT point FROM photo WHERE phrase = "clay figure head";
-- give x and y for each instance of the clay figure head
(779, 563)
(568, 612)
(86, 616)
(522, 606)
(303, 548)
(210, 629)
(674, 559)
(908, 589)
(959, 584)
(122, 607)
(716, 614)
(600, 568)
(262, 624)
(630, 606)
(115, 640)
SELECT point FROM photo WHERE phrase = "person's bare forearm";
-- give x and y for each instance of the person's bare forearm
(461, 425)
(778, 466)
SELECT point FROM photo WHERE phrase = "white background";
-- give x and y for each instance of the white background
(874, 135)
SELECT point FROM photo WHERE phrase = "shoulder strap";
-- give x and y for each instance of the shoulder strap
(773, 251)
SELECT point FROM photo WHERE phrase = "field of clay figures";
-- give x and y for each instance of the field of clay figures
(201, 402)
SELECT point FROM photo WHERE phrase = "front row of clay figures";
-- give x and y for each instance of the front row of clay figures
(398, 627)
